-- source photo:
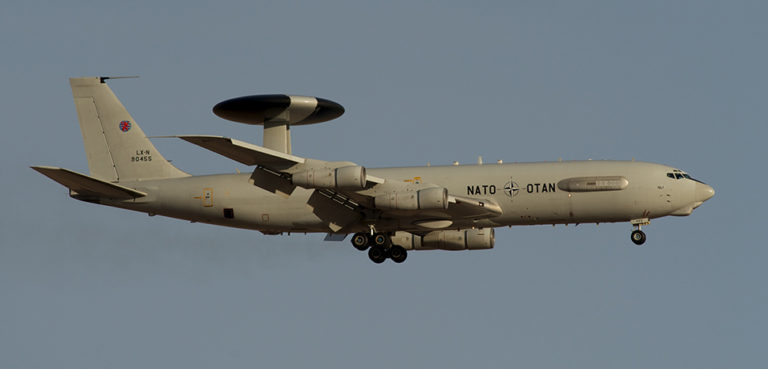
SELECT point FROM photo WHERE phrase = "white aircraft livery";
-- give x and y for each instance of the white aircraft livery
(388, 211)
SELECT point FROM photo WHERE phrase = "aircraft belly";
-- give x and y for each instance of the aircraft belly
(230, 200)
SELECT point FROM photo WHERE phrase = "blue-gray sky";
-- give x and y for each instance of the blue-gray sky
(677, 82)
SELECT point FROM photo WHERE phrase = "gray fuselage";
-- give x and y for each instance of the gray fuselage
(528, 193)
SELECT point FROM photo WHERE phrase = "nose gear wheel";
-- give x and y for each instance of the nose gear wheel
(638, 237)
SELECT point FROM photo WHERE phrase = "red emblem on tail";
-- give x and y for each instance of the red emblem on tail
(125, 126)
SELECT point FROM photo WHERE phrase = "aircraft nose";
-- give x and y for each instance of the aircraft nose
(704, 192)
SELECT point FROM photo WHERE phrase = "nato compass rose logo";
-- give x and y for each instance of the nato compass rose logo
(125, 126)
(511, 189)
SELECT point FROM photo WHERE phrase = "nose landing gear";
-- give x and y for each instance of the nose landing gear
(638, 236)
(379, 246)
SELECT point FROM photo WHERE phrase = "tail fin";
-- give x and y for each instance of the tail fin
(116, 147)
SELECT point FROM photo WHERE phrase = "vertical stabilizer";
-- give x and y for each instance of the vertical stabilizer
(116, 147)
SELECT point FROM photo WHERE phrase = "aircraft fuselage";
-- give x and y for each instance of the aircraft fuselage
(528, 193)
(387, 210)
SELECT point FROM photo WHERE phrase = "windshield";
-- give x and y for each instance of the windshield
(679, 174)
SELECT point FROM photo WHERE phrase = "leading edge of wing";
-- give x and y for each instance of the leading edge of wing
(244, 152)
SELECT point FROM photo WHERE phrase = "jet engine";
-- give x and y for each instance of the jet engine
(426, 199)
(469, 239)
(345, 178)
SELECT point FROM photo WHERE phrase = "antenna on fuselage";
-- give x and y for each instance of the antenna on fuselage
(277, 113)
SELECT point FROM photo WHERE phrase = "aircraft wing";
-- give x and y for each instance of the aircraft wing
(273, 160)
(244, 152)
(85, 185)
(275, 170)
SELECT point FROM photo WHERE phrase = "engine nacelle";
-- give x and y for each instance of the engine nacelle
(469, 239)
(345, 178)
(426, 199)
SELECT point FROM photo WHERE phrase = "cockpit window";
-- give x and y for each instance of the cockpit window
(679, 174)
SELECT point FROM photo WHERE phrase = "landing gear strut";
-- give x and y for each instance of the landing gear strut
(379, 246)
(638, 236)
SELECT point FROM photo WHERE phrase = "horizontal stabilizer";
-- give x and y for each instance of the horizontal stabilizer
(244, 152)
(88, 186)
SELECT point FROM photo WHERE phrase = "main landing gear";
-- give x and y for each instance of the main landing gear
(638, 236)
(379, 247)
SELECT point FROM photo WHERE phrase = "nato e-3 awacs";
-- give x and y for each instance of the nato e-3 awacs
(388, 210)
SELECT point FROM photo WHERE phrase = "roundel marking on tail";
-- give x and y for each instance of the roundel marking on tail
(125, 126)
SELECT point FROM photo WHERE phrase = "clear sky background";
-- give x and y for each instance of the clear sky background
(676, 82)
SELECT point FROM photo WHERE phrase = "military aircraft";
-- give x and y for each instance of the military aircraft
(388, 210)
